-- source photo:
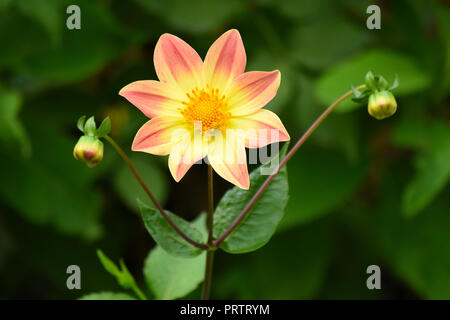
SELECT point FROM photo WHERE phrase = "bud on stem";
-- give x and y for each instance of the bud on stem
(89, 148)
(380, 101)
(382, 105)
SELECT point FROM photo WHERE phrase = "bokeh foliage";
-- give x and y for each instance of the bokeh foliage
(361, 191)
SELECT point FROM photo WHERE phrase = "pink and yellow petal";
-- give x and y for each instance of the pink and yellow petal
(224, 61)
(154, 98)
(253, 90)
(229, 160)
(183, 155)
(177, 63)
(260, 128)
(158, 135)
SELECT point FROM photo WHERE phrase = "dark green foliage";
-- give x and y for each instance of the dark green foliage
(260, 223)
(361, 191)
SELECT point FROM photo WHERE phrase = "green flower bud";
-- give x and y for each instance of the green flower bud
(382, 104)
(88, 150)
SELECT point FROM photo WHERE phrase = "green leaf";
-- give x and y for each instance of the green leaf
(369, 79)
(4, 4)
(68, 201)
(420, 250)
(79, 54)
(30, 38)
(443, 21)
(339, 79)
(123, 276)
(259, 225)
(170, 277)
(411, 131)
(302, 10)
(196, 16)
(327, 40)
(47, 250)
(433, 171)
(107, 296)
(50, 14)
(417, 250)
(80, 123)
(104, 128)
(321, 180)
(108, 264)
(166, 236)
(293, 265)
(12, 132)
(395, 83)
(89, 127)
(129, 189)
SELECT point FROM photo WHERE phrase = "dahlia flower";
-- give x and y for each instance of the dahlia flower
(209, 108)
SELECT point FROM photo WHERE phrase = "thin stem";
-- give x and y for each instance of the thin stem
(210, 217)
(208, 275)
(139, 292)
(281, 164)
(210, 222)
(155, 202)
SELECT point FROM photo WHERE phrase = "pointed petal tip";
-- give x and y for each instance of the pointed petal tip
(135, 143)
(177, 63)
(166, 36)
(286, 136)
(174, 176)
(122, 91)
(233, 31)
(176, 173)
(125, 89)
(253, 90)
(243, 183)
(225, 59)
(277, 74)
(246, 185)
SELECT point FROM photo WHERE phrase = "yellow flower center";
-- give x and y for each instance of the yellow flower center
(208, 107)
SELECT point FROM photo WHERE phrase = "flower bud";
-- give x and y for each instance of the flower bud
(382, 104)
(88, 150)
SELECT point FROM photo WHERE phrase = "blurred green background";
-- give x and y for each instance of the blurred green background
(362, 191)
